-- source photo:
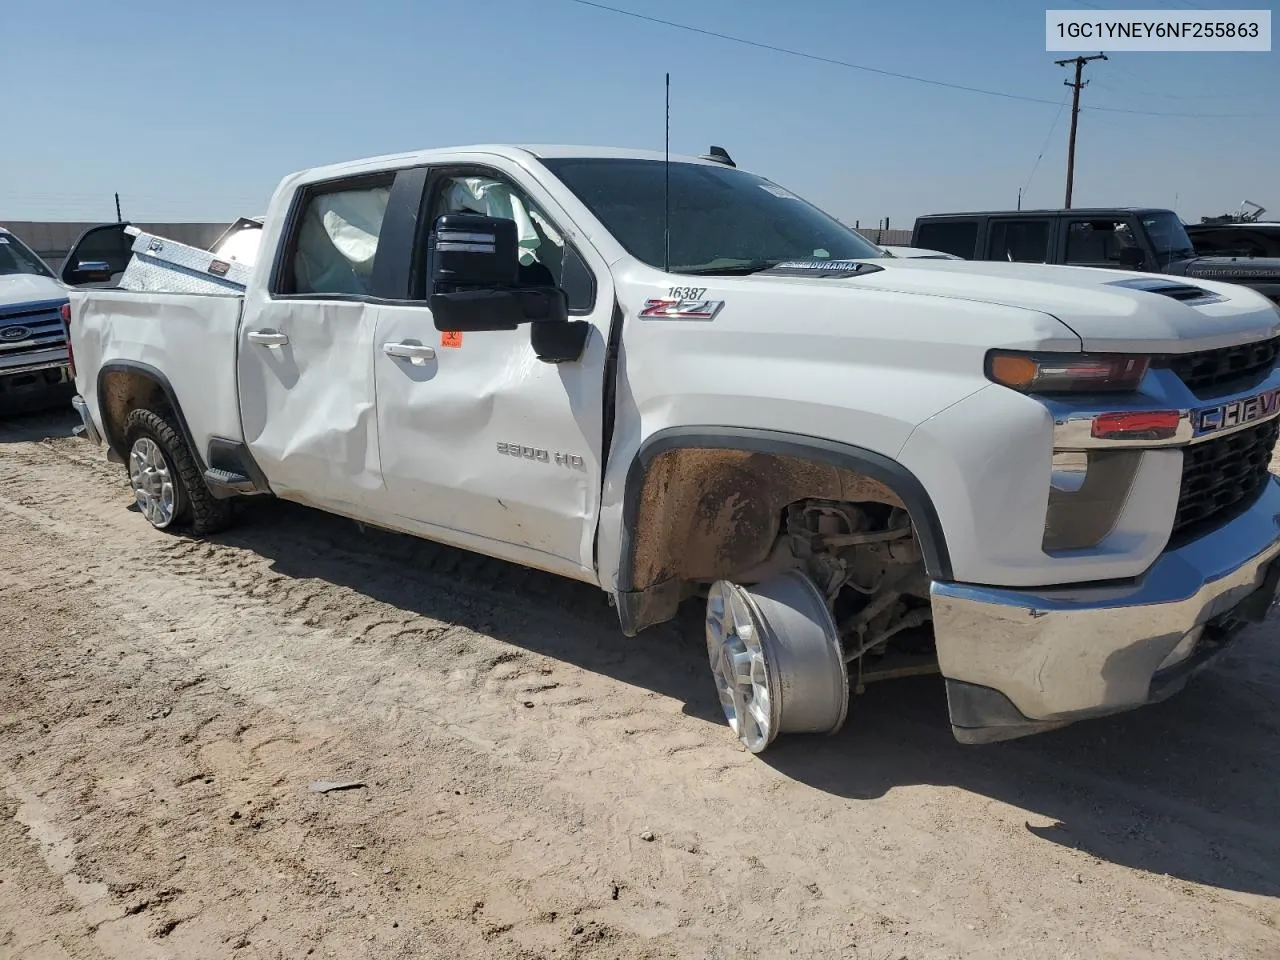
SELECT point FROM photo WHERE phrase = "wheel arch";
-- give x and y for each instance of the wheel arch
(699, 466)
(126, 385)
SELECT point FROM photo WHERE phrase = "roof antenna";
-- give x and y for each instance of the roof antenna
(718, 155)
(666, 194)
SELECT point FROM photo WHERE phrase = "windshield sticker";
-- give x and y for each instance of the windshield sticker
(681, 309)
(778, 191)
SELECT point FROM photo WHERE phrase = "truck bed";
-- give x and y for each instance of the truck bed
(188, 339)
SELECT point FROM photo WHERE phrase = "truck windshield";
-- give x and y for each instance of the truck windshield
(723, 220)
(1168, 237)
(17, 259)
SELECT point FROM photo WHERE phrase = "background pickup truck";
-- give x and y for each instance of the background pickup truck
(679, 381)
(1122, 238)
(33, 342)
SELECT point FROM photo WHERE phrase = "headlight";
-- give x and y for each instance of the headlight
(1066, 372)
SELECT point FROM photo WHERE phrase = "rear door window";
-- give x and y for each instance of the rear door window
(1018, 241)
(959, 237)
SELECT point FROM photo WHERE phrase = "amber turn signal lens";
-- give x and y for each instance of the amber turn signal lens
(1014, 371)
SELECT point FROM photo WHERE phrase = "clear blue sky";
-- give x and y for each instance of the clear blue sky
(194, 110)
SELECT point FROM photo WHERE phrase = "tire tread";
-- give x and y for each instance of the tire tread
(204, 513)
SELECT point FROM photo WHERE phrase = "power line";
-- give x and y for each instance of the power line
(1036, 166)
(1140, 91)
(884, 73)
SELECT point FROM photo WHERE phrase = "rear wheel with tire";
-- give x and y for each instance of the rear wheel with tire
(165, 478)
(776, 658)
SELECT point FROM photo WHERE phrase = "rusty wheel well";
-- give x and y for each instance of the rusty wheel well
(705, 508)
(120, 392)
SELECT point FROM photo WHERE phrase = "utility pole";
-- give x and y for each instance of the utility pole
(1076, 87)
(119, 219)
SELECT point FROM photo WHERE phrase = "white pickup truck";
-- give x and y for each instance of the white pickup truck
(680, 381)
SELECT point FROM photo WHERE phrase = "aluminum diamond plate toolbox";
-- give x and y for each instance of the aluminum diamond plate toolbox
(161, 265)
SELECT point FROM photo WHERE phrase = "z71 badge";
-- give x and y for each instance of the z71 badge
(1237, 413)
(681, 309)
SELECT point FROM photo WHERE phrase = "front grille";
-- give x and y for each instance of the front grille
(1222, 478)
(1215, 373)
(37, 327)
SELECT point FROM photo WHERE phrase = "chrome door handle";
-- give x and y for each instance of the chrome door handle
(415, 353)
(267, 338)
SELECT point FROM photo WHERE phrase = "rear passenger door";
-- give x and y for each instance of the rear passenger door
(305, 355)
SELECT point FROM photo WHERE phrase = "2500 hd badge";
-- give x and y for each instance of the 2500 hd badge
(1237, 413)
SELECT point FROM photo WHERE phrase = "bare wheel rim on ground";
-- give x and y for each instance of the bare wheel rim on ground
(152, 482)
(776, 659)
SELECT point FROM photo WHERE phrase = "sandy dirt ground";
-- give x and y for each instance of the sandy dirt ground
(537, 785)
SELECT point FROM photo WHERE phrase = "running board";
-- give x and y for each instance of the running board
(224, 483)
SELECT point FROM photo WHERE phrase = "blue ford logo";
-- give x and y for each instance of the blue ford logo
(14, 333)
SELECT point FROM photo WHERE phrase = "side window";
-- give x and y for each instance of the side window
(1019, 241)
(957, 237)
(1097, 241)
(335, 239)
(546, 257)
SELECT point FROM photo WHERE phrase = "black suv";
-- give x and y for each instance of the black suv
(1127, 238)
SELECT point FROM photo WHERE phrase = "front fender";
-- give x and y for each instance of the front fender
(643, 601)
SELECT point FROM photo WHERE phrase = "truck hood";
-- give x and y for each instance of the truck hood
(1248, 270)
(1110, 310)
(20, 288)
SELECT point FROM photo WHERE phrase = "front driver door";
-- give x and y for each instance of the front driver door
(481, 442)
(305, 362)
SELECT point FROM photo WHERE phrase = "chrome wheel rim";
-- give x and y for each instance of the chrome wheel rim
(152, 483)
(738, 662)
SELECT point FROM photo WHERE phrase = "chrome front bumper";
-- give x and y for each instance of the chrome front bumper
(1023, 661)
(89, 428)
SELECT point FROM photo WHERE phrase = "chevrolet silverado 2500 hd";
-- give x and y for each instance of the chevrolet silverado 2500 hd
(33, 340)
(683, 382)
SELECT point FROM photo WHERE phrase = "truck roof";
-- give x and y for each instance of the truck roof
(1074, 211)
(513, 151)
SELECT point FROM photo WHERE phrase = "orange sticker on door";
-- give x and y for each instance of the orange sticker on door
(451, 338)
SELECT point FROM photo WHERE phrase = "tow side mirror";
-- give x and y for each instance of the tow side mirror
(1132, 258)
(473, 271)
(88, 271)
(104, 249)
(467, 250)
(468, 310)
